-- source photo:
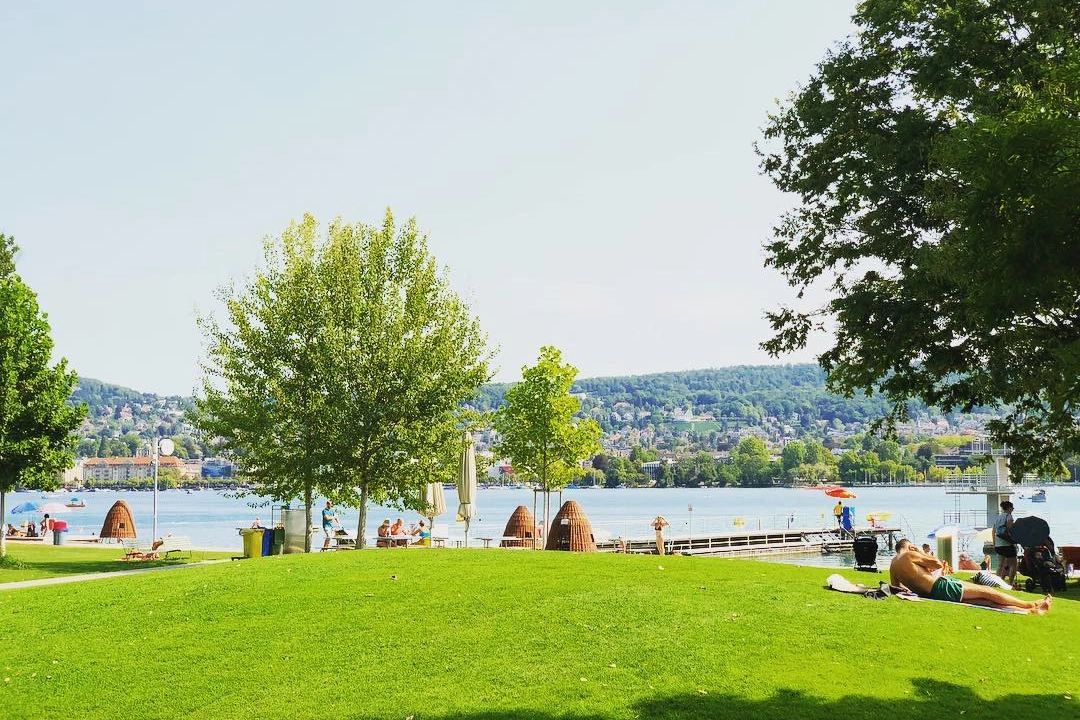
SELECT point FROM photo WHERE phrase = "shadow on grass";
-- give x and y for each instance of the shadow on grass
(930, 700)
(58, 567)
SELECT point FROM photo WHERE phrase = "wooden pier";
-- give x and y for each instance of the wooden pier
(757, 542)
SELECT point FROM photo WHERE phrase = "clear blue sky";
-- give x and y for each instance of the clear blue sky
(584, 168)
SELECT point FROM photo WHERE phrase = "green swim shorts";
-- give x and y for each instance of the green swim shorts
(947, 588)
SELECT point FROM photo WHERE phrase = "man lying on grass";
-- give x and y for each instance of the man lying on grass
(914, 570)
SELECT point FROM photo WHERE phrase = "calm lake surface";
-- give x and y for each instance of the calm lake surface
(212, 519)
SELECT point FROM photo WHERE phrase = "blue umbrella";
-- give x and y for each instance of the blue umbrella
(26, 507)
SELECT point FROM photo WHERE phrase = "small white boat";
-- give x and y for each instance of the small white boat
(1038, 496)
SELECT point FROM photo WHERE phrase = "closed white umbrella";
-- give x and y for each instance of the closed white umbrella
(434, 505)
(466, 485)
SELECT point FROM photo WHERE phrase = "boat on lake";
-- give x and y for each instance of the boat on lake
(1038, 496)
(75, 503)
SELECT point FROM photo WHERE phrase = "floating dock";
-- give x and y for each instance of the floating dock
(757, 542)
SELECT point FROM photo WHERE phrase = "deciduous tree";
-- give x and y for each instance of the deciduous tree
(935, 159)
(341, 364)
(36, 422)
(538, 428)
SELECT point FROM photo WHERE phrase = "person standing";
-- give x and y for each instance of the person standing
(1003, 543)
(329, 519)
(838, 513)
(659, 524)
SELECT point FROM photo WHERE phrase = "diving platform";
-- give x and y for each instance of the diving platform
(756, 542)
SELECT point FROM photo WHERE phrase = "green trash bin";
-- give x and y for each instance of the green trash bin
(277, 540)
(252, 542)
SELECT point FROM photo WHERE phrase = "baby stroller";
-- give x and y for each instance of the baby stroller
(865, 547)
(1040, 561)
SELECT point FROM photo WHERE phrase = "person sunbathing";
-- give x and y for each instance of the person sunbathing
(918, 572)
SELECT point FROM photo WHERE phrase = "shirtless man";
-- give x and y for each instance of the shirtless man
(913, 570)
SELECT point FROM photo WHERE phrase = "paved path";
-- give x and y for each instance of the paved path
(60, 580)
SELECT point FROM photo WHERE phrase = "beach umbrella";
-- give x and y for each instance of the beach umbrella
(947, 528)
(53, 508)
(26, 507)
(840, 493)
(1030, 531)
(434, 505)
(466, 485)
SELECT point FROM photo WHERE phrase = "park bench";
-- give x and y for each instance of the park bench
(135, 549)
(174, 544)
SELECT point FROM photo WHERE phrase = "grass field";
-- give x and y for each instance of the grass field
(486, 635)
(33, 561)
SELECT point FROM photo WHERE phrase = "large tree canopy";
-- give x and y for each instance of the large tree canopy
(35, 420)
(342, 366)
(936, 160)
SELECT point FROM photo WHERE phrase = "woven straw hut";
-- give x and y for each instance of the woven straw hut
(520, 525)
(571, 530)
(119, 522)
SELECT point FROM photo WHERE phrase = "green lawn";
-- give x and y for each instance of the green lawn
(486, 635)
(33, 561)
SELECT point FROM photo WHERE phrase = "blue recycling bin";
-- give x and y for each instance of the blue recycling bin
(267, 541)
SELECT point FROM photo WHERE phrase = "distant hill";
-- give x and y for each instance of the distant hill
(794, 394)
(737, 396)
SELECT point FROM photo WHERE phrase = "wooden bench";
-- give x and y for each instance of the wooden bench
(135, 549)
(173, 544)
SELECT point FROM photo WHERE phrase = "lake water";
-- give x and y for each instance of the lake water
(212, 519)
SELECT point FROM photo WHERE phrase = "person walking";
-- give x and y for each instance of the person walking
(329, 519)
(838, 513)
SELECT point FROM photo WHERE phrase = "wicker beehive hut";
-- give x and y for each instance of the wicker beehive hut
(570, 530)
(119, 522)
(520, 525)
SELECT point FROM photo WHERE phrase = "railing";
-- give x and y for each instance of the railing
(964, 518)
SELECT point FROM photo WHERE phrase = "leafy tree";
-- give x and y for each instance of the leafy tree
(793, 455)
(935, 156)
(35, 420)
(752, 460)
(342, 366)
(133, 441)
(539, 432)
(816, 453)
(87, 447)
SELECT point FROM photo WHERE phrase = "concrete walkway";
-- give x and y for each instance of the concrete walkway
(61, 579)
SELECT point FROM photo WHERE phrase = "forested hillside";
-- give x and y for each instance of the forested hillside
(119, 420)
(711, 400)
(744, 394)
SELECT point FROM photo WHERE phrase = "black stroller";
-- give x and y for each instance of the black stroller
(1040, 561)
(865, 547)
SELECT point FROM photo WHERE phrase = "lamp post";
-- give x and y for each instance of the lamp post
(690, 511)
(164, 446)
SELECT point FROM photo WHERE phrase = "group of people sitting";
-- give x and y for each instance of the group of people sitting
(27, 530)
(32, 529)
(396, 535)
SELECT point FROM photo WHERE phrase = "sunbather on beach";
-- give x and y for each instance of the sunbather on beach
(918, 572)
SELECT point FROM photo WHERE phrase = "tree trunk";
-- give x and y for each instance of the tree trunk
(307, 514)
(3, 524)
(547, 499)
(361, 524)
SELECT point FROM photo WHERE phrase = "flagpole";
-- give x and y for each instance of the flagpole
(154, 537)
